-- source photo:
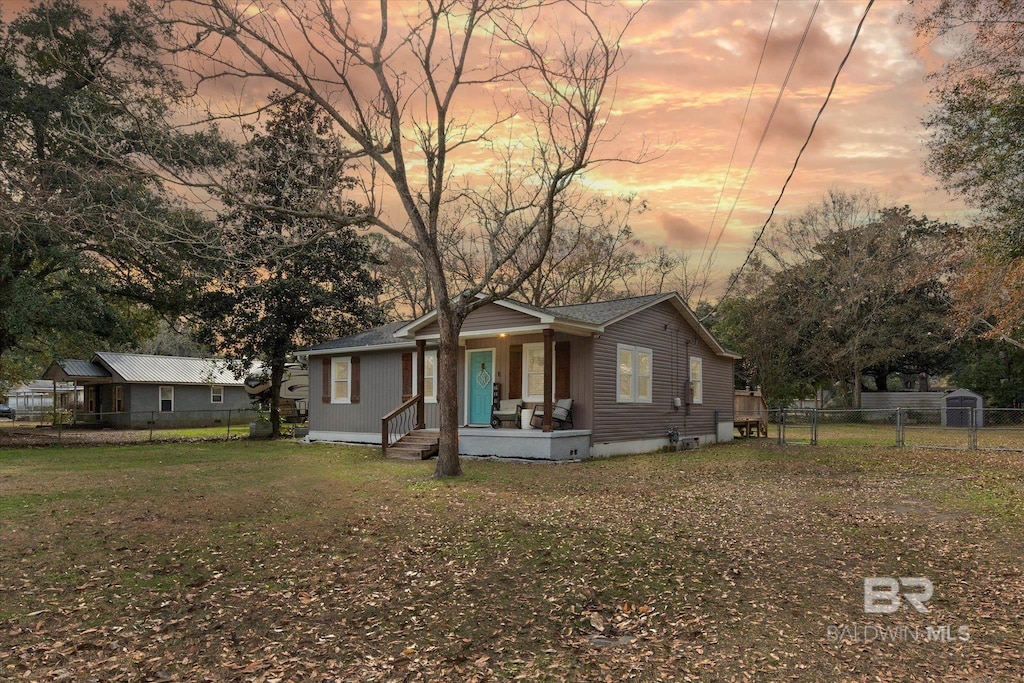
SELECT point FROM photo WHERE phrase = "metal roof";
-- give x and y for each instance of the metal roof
(145, 369)
(39, 386)
(74, 367)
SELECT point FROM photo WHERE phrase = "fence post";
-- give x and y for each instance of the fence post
(814, 426)
(152, 419)
(972, 429)
(229, 425)
(782, 426)
(899, 428)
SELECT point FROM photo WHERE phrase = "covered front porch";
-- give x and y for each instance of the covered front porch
(542, 371)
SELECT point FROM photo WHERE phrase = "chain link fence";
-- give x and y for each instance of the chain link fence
(958, 428)
(80, 428)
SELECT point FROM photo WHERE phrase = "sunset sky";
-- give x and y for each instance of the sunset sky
(691, 65)
(690, 68)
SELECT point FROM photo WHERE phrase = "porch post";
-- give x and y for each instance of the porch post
(421, 352)
(549, 357)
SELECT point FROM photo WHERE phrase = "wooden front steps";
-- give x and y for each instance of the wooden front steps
(419, 444)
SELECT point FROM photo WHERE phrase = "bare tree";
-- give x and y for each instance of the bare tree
(405, 293)
(482, 110)
(592, 251)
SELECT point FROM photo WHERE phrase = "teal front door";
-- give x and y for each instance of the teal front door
(481, 386)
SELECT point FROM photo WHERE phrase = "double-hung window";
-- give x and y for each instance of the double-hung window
(634, 371)
(216, 394)
(697, 379)
(533, 372)
(166, 399)
(429, 376)
(341, 380)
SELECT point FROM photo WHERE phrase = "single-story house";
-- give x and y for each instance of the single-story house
(635, 370)
(137, 391)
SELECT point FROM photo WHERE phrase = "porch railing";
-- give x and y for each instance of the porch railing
(397, 424)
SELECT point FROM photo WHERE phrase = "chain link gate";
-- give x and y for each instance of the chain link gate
(951, 428)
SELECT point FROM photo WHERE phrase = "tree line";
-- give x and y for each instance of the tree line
(348, 183)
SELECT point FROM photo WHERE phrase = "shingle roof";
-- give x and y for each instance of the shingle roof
(146, 369)
(600, 312)
(377, 336)
(597, 314)
(74, 367)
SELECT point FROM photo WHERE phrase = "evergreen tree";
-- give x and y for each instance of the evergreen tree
(288, 280)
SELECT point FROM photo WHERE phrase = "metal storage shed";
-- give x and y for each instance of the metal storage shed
(957, 406)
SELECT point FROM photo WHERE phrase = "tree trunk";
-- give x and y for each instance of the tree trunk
(276, 378)
(448, 463)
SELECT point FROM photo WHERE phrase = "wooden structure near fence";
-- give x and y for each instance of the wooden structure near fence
(750, 413)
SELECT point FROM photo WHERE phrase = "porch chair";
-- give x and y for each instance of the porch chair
(561, 414)
(509, 410)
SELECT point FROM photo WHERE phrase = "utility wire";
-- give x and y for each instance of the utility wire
(760, 143)
(736, 275)
(736, 144)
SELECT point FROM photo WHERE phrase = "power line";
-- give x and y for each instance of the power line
(760, 142)
(736, 275)
(739, 133)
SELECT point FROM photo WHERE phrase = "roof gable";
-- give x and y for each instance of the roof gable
(70, 369)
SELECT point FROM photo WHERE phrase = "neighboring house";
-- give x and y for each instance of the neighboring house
(34, 399)
(136, 391)
(634, 368)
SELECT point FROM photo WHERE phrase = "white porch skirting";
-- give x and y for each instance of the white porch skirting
(533, 444)
(527, 444)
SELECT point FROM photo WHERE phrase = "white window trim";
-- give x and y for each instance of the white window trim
(213, 388)
(528, 397)
(160, 400)
(636, 375)
(697, 397)
(619, 396)
(335, 362)
(635, 352)
(427, 398)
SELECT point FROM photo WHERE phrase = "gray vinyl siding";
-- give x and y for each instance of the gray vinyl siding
(380, 392)
(489, 317)
(671, 340)
(380, 381)
(192, 406)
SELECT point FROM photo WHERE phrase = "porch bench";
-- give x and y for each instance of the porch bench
(509, 410)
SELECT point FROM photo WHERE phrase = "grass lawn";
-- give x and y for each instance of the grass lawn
(264, 561)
